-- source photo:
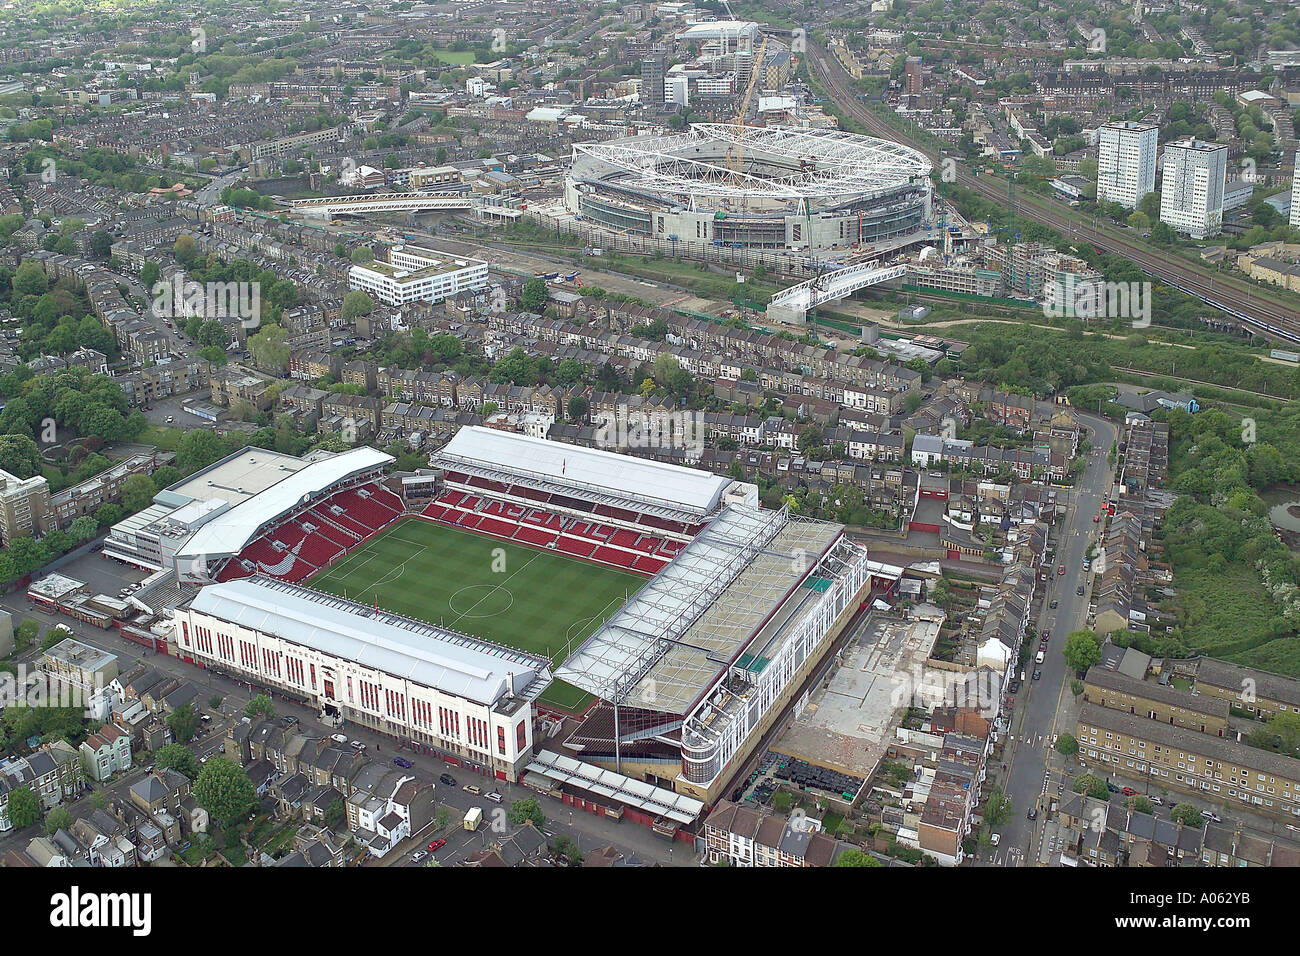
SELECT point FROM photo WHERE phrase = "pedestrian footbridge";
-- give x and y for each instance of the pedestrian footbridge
(794, 303)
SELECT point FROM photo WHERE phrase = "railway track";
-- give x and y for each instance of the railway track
(1257, 314)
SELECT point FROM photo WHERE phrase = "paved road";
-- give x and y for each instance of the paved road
(1038, 702)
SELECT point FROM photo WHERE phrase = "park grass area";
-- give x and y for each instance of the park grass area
(455, 57)
(526, 598)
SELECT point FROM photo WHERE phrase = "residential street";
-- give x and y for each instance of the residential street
(1045, 707)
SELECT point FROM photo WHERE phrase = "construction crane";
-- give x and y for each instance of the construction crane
(738, 154)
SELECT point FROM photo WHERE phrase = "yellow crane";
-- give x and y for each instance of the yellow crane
(756, 67)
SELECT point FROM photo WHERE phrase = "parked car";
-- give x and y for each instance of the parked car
(401, 762)
(339, 738)
(1111, 787)
(1158, 801)
(1053, 604)
(472, 788)
(419, 856)
(447, 780)
(1060, 569)
(1129, 792)
(1032, 814)
(436, 845)
(357, 745)
(1212, 817)
(1096, 518)
(494, 797)
(1038, 674)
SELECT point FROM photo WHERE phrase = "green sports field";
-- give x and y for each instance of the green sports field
(533, 600)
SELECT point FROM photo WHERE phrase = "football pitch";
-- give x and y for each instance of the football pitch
(537, 601)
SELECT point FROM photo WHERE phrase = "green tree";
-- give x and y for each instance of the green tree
(526, 811)
(57, 819)
(1287, 727)
(183, 722)
(24, 807)
(1082, 650)
(357, 303)
(198, 449)
(178, 757)
(1092, 785)
(259, 706)
(1067, 744)
(138, 492)
(1187, 815)
(270, 347)
(997, 809)
(336, 817)
(30, 279)
(533, 298)
(1141, 804)
(224, 790)
(854, 857)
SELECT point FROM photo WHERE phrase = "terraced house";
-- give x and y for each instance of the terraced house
(1190, 761)
(1169, 705)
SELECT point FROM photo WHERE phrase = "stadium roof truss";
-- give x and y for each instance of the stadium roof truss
(668, 644)
(828, 165)
(592, 474)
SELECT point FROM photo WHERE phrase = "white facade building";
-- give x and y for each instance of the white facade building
(413, 274)
(1191, 187)
(1126, 162)
(435, 688)
(1295, 197)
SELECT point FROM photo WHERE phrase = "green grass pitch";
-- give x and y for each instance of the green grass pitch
(538, 601)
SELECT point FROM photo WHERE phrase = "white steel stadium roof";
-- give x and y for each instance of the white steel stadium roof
(659, 484)
(722, 160)
(227, 533)
(667, 644)
(408, 649)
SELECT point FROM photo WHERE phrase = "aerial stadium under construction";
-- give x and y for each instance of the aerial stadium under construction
(773, 187)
